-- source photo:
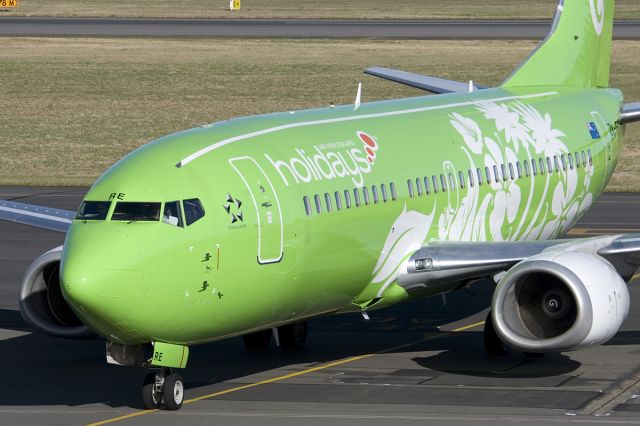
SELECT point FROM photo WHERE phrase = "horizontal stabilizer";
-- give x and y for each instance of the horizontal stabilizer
(41, 217)
(419, 81)
(630, 113)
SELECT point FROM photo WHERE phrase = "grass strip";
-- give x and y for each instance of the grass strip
(72, 107)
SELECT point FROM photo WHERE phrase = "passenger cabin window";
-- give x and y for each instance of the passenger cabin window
(519, 169)
(495, 174)
(527, 171)
(365, 195)
(374, 191)
(470, 173)
(193, 210)
(557, 164)
(410, 187)
(172, 214)
(316, 199)
(356, 196)
(383, 191)
(347, 198)
(461, 179)
(511, 174)
(434, 180)
(577, 154)
(541, 161)
(427, 190)
(136, 212)
(93, 210)
(419, 186)
(307, 205)
(479, 173)
(338, 201)
(327, 200)
(487, 174)
(392, 187)
(443, 183)
(590, 157)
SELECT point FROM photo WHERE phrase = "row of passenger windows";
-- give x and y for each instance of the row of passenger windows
(426, 185)
(348, 199)
(499, 173)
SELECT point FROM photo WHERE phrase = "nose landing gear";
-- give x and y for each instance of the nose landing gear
(163, 386)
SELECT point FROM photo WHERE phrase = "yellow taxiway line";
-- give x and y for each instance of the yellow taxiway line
(291, 375)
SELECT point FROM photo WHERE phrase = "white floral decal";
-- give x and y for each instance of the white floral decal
(509, 205)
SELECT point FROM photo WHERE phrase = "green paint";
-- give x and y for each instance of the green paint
(219, 277)
(167, 355)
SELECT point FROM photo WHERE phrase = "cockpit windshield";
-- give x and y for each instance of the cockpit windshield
(93, 210)
(133, 211)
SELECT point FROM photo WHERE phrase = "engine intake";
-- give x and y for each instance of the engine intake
(559, 301)
(42, 304)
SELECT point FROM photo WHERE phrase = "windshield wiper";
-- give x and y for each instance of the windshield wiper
(147, 218)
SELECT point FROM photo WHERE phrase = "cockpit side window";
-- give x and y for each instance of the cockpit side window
(93, 210)
(134, 211)
(193, 210)
(172, 214)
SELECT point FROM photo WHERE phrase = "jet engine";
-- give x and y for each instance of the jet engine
(559, 301)
(42, 304)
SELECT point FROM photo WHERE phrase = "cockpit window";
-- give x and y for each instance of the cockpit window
(93, 210)
(172, 214)
(193, 210)
(136, 211)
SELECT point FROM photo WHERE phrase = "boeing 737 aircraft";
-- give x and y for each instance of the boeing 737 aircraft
(260, 223)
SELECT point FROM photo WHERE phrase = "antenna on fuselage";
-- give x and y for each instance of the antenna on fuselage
(358, 95)
(470, 86)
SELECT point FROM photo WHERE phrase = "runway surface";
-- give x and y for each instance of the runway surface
(294, 28)
(417, 363)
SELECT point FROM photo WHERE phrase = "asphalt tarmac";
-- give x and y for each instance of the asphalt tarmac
(417, 363)
(289, 28)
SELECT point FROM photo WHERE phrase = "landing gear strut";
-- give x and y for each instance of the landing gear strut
(163, 386)
(492, 343)
(293, 336)
(258, 341)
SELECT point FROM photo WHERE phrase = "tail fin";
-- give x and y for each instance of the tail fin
(577, 51)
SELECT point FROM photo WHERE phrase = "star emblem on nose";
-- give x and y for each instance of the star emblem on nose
(232, 207)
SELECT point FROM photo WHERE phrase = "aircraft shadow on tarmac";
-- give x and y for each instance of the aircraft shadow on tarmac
(50, 371)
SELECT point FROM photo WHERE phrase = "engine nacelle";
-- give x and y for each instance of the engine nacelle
(42, 304)
(558, 301)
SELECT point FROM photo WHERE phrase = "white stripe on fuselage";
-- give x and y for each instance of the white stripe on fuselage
(238, 138)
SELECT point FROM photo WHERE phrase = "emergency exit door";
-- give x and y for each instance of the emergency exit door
(267, 207)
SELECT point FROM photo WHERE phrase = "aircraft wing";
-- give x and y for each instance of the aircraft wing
(450, 261)
(630, 113)
(42, 217)
(431, 84)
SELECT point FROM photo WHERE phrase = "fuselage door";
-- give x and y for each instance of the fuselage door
(606, 136)
(267, 206)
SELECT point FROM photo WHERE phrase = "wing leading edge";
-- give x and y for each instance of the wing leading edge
(454, 261)
(630, 113)
(431, 84)
(41, 217)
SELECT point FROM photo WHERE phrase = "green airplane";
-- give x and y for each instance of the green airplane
(254, 225)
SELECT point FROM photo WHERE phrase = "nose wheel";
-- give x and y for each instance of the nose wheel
(162, 387)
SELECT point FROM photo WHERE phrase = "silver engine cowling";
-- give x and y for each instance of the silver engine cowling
(42, 304)
(559, 301)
